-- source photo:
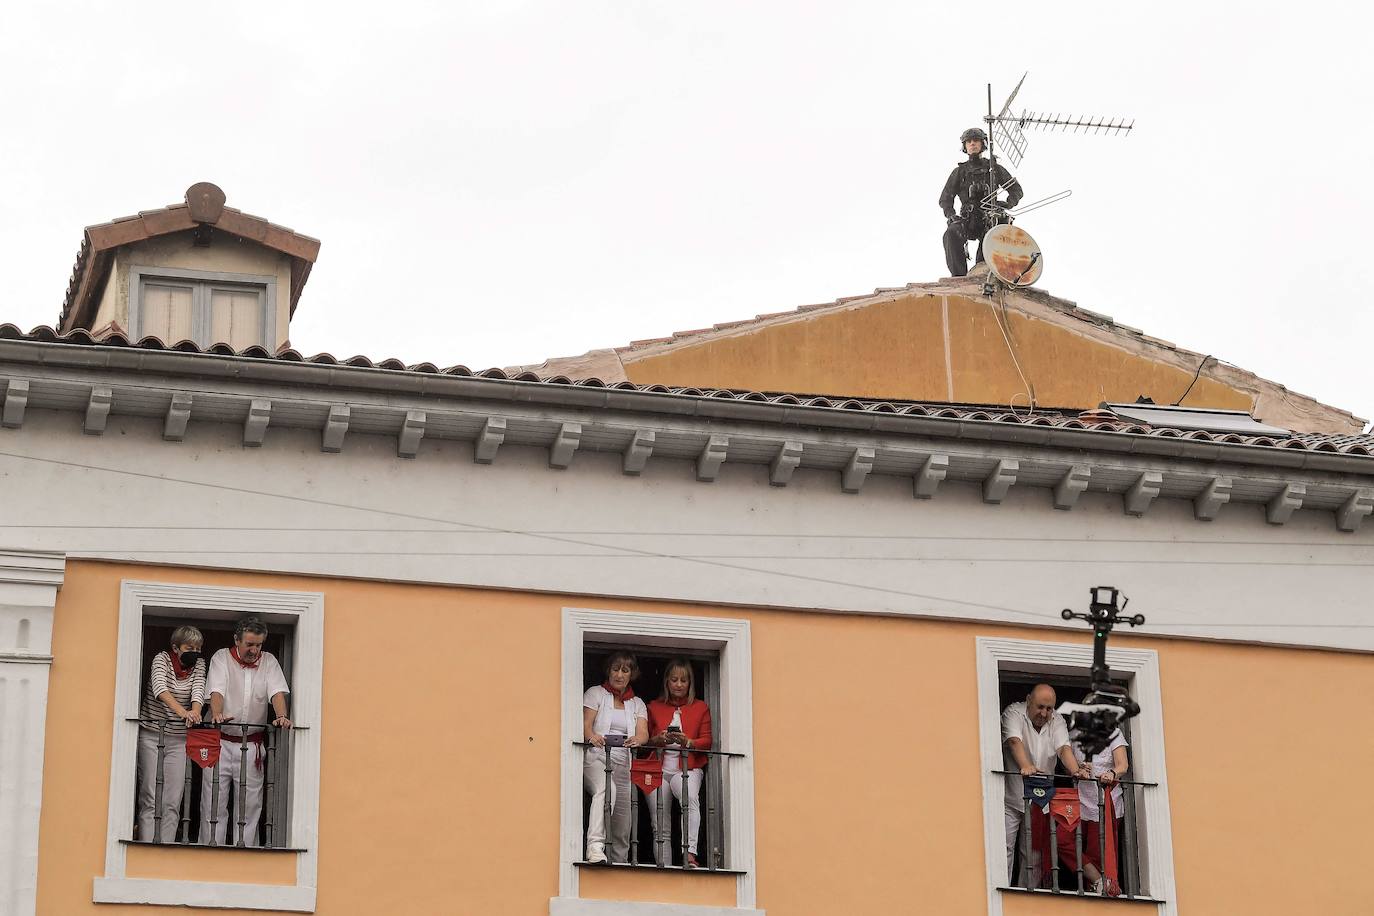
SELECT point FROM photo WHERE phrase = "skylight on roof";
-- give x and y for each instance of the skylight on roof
(1190, 418)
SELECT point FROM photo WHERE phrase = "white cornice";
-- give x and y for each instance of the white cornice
(178, 367)
(32, 568)
(411, 406)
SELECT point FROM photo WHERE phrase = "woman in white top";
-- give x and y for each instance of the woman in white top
(1108, 767)
(611, 716)
(176, 690)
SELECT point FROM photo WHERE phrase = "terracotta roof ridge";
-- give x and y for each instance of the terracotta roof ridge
(171, 208)
(603, 364)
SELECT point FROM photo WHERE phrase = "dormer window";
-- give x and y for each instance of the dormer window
(196, 271)
(202, 307)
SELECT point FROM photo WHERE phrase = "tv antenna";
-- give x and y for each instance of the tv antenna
(1007, 130)
(1010, 129)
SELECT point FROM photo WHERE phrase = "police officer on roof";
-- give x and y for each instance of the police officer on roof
(969, 182)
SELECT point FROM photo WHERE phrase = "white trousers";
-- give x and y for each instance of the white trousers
(173, 763)
(594, 784)
(1014, 817)
(673, 783)
(229, 766)
(1013, 821)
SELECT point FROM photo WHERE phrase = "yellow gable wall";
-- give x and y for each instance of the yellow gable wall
(896, 349)
(443, 798)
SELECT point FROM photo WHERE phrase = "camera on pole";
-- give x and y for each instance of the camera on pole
(1107, 705)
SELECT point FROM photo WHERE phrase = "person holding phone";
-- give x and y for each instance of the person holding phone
(680, 724)
(612, 717)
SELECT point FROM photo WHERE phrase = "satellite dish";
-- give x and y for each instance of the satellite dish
(1013, 255)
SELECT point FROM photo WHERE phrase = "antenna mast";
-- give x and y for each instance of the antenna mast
(988, 204)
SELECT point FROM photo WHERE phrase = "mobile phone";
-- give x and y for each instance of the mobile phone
(674, 730)
(614, 740)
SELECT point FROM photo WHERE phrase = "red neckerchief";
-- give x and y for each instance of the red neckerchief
(176, 666)
(629, 693)
(235, 653)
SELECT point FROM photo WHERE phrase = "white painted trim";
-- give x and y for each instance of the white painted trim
(306, 611)
(32, 567)
(154, 891)
(734, 720)
(1147, 754)
(564, 906)
(29, 582)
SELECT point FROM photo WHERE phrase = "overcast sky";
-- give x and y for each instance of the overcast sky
(495, 183)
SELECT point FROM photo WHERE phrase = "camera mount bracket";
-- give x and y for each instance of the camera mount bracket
(1107, 705)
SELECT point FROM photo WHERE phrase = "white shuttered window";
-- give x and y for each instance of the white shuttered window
(167, 312)
(236, 316)
(205, 312)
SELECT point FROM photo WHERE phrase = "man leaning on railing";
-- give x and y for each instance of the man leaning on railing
(242, 682)
(1033, 734)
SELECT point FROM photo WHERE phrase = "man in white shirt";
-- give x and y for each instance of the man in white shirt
(242, 683)
(1033, 735)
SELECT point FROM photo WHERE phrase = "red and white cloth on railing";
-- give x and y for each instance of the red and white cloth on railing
(1067, 810)
(202, 746)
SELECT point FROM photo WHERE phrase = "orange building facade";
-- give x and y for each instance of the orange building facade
(428, 805)
(844, 519)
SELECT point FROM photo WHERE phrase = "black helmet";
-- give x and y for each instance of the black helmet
(973, 133)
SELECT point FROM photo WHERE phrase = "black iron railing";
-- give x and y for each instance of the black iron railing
(1034, 875)
(710, 807)
(235, 738)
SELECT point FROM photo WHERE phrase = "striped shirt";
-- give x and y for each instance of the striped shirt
(163, 678)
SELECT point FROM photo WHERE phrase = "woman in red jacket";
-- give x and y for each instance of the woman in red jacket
(679, 723)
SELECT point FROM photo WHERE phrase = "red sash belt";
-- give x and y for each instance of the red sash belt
(254, 738)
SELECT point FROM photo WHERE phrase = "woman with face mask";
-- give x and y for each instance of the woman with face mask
(176, 690)
(613, 721)
(679, 723)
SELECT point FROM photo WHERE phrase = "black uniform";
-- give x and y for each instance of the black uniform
(969, 182)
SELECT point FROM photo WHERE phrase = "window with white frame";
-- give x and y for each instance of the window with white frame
(656, 828)
(205, 308)
(174, 801)
(148, 614)
(718, 651)
(1048, 838)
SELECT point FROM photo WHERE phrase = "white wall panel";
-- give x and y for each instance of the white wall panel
(590, 529)
(28, 592)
